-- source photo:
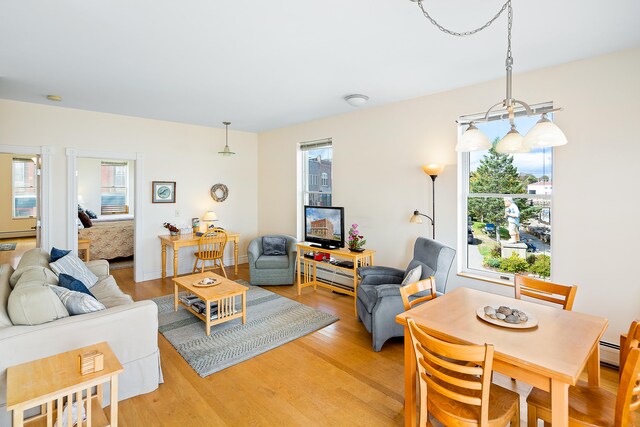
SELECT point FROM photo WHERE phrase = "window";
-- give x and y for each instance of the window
(24, 188)
(506, 207)
(113, 187)
(316, 162)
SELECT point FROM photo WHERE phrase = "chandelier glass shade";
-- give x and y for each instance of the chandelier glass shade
(473, 140)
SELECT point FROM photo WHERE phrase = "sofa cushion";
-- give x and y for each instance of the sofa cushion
(6, 271)
(108, 293)
(33, 257)
(33, 304)
(77, 302)
(73, 266)
(36, 274)
(56, 254)
(272, 261)
(274, 246)
(73, 284)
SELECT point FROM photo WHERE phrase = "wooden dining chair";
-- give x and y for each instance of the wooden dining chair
(455, 384)
(628, 341)
(592, 405)
(211, 248)
(428, 284)
(545, 291)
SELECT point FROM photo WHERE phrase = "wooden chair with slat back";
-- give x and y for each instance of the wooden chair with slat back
(428, 284)
(211, 248)
(455, 383)
(595, 406)
(545, 291)
(628, 341)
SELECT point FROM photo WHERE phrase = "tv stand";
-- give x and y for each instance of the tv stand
(307, 267)
(327, 247)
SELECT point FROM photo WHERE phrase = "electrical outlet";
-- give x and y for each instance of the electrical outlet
(177, 213)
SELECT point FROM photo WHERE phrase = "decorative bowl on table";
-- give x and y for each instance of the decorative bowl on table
(206, 282)
(507, 317)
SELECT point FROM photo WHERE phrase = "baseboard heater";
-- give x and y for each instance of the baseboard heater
(609, 354)
(16, 234)
(333, 276)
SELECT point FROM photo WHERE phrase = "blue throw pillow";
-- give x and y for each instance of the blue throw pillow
(274, 246)
(56, 254)
(72, 284)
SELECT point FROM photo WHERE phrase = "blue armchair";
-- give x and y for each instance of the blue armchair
(378, 299)
(272, 269)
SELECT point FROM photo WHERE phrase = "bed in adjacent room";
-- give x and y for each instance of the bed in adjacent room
(111, 236)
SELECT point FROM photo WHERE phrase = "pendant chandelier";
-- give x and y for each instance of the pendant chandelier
(226, 151)
(544, 134)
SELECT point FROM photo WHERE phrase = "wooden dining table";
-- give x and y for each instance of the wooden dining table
(550, 356)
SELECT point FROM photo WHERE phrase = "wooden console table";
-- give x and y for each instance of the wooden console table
(54, 382)
(85, 245)
(309, 278)
(180, 241)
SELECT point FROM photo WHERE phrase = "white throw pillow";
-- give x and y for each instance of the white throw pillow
(74, 267)
(77, 302)
(412, 276)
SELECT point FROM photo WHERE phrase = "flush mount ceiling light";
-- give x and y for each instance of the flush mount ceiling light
(226, 151)
(543, 134)
(356, 100)
(55, 98)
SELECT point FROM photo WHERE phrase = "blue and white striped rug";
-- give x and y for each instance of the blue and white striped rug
(272, 320)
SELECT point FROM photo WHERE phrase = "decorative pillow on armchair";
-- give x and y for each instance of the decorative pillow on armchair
(272, 246)
(412, 275)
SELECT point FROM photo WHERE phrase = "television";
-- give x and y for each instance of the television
(324, 226)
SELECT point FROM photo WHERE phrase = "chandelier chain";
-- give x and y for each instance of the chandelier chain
(509, 26)
(471, 32)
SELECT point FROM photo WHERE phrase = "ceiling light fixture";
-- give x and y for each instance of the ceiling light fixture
(55, 98)
(226, 151)
(544, 134)
(356, 100)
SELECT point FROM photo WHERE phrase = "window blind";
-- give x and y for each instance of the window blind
(316, 144)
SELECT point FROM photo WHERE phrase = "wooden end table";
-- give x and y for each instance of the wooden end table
(224, 294)
(53, 381)
(85, 245)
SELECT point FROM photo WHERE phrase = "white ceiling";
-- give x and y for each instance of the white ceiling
(268, 64)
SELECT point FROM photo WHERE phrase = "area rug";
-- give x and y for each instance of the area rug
(7, 246)
(272, 320)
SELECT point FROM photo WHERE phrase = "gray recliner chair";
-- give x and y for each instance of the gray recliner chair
(378, 298)
(272, 269)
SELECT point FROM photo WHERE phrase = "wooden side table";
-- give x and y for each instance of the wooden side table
(54, 381)
(85, 245)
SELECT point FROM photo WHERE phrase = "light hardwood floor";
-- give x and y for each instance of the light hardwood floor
(330, 377)
(13, 257)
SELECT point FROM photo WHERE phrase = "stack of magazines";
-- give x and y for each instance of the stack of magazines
(199, 306)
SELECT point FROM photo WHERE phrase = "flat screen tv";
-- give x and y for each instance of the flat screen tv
(324, 226)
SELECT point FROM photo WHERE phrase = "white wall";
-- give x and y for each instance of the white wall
(377, 177)
(177, 152)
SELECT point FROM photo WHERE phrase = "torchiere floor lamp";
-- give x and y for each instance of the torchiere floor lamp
(433, 170)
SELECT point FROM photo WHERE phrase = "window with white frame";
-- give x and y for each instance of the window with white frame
(506, 206)
(317, 157)
(114, 181)
(24, 190)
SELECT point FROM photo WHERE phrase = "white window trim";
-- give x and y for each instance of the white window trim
(13, 191)
(501, 278)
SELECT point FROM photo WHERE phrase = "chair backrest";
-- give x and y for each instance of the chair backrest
(628, 399)
(211, 244)
(435, 258)
(406, 291)
(445, 369)
(631, 340)
(546, 291)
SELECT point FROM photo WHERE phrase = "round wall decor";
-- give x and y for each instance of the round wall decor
(219, 192)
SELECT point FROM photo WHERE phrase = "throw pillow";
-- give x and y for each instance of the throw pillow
(72, 265)
(56, 254)
(84, 218)
(72, 284)
(77, 302)
(412, 275)
(272, 246)
(91, 214)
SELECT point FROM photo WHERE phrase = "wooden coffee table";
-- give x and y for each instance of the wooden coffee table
(224, 294)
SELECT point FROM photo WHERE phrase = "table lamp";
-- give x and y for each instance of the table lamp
(209, 218)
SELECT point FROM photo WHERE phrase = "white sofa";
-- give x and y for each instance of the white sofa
(130, 328)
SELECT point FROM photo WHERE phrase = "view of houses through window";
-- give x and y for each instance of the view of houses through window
(507, 207)
(316, 172)
(24, 188)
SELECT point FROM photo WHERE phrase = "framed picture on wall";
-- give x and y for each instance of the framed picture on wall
(163, 192)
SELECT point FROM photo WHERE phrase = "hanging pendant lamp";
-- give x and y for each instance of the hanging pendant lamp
(226, 151)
